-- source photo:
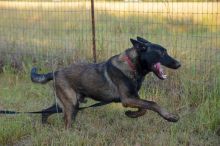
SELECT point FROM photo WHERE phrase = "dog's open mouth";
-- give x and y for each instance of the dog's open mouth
(158, 71)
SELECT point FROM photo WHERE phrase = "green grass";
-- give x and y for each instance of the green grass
(106, 125)
(50, 39)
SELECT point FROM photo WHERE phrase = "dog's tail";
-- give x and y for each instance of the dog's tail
(41, 78)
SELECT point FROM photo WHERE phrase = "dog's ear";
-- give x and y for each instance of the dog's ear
(142, 40)
(138, 45)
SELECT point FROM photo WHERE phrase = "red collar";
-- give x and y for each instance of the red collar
(128, 60)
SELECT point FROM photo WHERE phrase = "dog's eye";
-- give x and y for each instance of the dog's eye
(143, 48)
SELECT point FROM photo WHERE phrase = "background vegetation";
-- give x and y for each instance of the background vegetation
(121, 0)
(53, 38)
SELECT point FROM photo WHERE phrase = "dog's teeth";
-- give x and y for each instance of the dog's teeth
(164, 76)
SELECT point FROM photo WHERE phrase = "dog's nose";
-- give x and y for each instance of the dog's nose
(178, 65)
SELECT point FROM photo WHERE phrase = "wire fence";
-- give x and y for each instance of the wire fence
(72, 30)
(51, 34)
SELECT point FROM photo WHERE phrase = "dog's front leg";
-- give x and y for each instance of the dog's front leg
(135, 114)
(144, 104)
(129, 100)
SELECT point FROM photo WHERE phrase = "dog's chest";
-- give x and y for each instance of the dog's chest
(111, 89)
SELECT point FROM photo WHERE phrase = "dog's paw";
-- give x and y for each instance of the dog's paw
(172, 118)
(131, 114)
(135, 114)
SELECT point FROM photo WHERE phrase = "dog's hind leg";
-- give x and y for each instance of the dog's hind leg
(69, 101)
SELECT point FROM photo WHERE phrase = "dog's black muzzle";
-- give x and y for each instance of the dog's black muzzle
(170, 62)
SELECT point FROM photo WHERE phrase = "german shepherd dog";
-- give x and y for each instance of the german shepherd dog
(116, 80)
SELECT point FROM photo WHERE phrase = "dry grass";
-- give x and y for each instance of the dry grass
(199, 12)
(141, 7)
(49, 35)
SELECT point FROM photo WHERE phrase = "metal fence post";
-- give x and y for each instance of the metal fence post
(93, 31)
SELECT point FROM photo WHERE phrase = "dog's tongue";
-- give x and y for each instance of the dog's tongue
(157, 66)
(159, 70)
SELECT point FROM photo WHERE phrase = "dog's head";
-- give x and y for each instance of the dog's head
(151, 56)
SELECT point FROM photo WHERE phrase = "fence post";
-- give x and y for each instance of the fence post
(93, 31)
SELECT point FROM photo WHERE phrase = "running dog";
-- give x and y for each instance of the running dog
(116, 80)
